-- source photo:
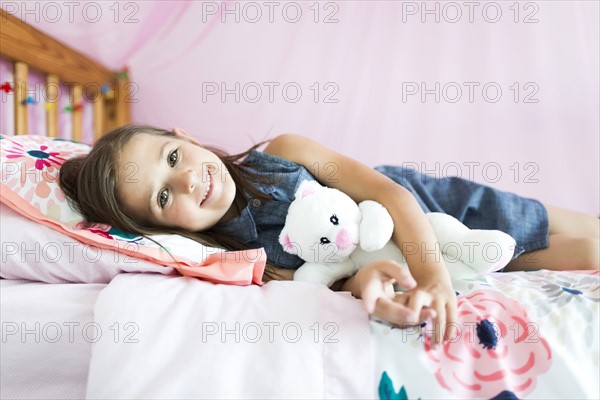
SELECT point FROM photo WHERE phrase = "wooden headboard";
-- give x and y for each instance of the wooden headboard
(108, 91)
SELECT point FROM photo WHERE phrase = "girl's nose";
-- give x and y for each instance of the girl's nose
(188, 181)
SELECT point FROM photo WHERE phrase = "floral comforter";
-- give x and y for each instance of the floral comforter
(522, 335)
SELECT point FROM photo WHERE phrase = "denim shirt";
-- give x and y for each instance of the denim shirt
(477, 206)
(260, 222)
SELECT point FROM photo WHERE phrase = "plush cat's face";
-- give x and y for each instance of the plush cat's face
(321, 225)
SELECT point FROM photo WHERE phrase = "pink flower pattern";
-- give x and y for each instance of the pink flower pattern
(30, 167)
(498, 348)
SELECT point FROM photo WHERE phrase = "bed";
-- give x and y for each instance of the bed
(75, 328)
(154, 336)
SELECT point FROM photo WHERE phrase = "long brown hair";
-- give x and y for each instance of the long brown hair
(89, 182)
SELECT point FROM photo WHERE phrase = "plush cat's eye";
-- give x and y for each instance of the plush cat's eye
(334, 219)
(324, 240)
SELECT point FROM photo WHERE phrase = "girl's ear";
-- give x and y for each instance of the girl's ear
(180, 133)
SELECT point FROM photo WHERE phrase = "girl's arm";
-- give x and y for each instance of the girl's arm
(433, 286)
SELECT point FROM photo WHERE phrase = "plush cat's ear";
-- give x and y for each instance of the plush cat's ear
(286, 242)
(307, 188)
(376, 226)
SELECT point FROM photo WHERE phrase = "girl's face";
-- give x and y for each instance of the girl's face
(171, 182)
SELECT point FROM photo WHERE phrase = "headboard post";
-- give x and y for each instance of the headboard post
(124, 99)
(99, 112)
(20, 73)
(77, 115)
(52, 94)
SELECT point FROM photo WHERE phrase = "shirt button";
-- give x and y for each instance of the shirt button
(256, 203)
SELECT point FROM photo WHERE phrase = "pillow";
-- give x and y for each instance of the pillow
(38, 253)
(29, 186)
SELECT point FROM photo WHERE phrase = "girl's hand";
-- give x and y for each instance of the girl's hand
(438, 294)
(375, 282)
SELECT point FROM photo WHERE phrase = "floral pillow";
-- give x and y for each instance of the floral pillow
(29, 185)
(30, 166)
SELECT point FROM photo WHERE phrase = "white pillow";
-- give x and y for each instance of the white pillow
(35, 252)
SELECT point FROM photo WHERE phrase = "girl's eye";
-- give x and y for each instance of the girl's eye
(173, 157)
(163, 197)
(324, 240)
(334, 219)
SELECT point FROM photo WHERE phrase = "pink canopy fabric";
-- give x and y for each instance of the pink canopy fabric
(505, 96)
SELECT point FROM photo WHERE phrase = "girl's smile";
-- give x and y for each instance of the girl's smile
(208, 190)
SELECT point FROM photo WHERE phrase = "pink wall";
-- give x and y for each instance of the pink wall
(543, 144)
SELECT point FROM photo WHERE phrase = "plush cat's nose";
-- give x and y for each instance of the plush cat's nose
(343, 240)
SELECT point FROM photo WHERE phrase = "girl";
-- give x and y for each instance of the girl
(147, 180)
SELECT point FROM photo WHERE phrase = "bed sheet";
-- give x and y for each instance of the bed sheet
(47, 335)
(194, 339)
(524, 335)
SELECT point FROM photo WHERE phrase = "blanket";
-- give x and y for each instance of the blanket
(521, 335)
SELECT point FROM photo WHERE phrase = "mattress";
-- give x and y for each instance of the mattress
(47, 336)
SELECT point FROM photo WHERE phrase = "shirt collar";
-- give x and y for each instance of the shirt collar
(242, 227)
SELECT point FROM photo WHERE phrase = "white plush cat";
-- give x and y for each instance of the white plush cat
(335, 237)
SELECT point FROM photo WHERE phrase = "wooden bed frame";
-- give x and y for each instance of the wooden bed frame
(28, 48)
